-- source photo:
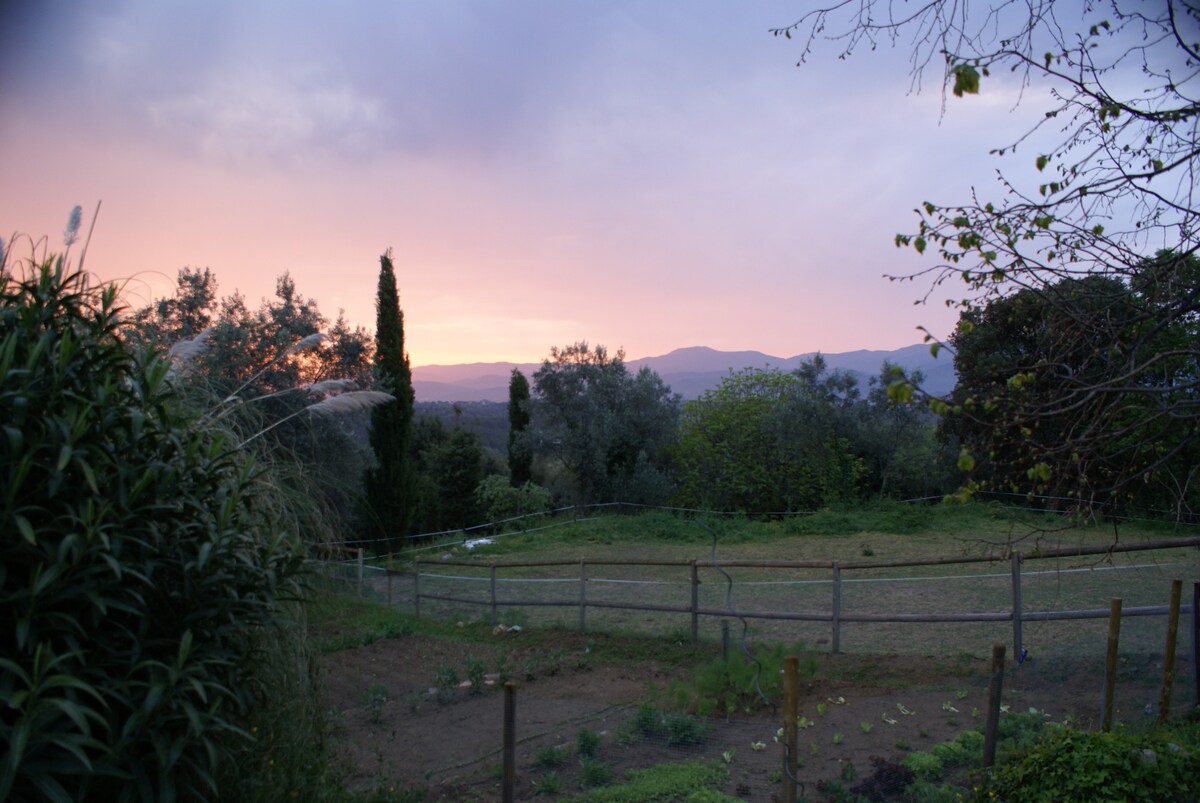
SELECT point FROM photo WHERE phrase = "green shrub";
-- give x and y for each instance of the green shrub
(1076, 765)
(140, 569)
(926, 766)
(551, 757)
(549, 784)
(593, 772)
(740, 684)
(587, 742)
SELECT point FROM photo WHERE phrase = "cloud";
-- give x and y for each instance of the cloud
(246, 117)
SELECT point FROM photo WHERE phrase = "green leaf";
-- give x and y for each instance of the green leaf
(900, 391)
(26, 529)
(919, 244)
(1042, 161)
(966, 460)
(966, 80)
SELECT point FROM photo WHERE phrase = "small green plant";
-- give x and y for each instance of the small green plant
(961, 694)
(684, 729)
(549, 784)
(867, 551)
(555, 661)
(867, 727)
(447, 682)
(530, 667)
(552, 757)
(587, 742)
(476, 670)
(593, 773)
(376, 697)
(837, 738)
(925, 766)
(775, 776)
(504, 669)
(903, 745)
(848, 772)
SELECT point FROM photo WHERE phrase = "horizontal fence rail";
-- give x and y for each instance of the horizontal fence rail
(835, 617)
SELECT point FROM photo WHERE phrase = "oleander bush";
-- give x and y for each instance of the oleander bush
(140, 563)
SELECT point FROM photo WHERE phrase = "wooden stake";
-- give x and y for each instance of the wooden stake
(836, 616)
(995, 692)
(510, 741)
(1018, 643)
(1110, 664)
(1164, 695)
(791, 713)
(695, 603)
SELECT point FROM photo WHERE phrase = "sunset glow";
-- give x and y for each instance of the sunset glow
(646, 176)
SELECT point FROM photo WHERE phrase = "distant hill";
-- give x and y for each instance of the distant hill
(689, 371)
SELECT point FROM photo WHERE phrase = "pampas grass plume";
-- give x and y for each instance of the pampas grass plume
(351, 402)
(306, 343)
(71, 233)
(186, 350)
(331, 386)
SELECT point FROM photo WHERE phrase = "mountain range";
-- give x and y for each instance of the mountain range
(688, 371)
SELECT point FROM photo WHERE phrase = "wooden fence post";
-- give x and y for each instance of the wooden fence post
(995, 693)
(1110, 663)
(495, 613)
(1018, 644)
(1196, 642)
(695, 603)
(837, 608)
(417, 587)
(389, 580)
(791, 711)
(510, 741)
(1164, 695)
(582, 596)
(361, 570)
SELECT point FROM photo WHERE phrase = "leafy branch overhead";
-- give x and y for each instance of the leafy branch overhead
(1103, 184)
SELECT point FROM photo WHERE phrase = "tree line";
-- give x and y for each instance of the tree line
(585, 429)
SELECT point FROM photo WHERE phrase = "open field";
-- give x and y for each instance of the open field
(899, 534)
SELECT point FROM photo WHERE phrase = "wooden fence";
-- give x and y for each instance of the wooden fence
(834, 616)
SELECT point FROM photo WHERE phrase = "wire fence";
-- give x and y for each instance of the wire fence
(1052, 610)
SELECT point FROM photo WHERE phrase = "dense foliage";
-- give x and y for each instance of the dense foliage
(608, 428)
(767, 441)
(141, 558)
(1026, 403)
(256, 367)
(1070, 764)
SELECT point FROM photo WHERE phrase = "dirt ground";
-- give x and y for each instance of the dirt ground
(392, 732)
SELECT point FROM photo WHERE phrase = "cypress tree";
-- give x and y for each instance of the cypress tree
(391, 483)
(520, 456)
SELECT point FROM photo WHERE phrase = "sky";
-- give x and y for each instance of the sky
(642, 175)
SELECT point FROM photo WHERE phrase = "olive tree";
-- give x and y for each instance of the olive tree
(607, 427)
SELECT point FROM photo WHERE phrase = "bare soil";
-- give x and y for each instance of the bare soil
(392, 733)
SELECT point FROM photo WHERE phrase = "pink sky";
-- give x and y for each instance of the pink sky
(646, 176)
